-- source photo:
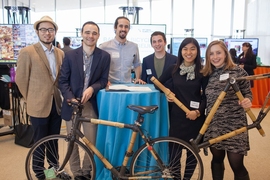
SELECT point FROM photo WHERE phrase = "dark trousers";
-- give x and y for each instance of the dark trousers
(44, 127)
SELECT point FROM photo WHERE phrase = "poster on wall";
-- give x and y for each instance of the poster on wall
(176, 42)
(237, 44)
(13, 38)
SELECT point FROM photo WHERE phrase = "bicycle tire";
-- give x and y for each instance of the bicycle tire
(52, 143)
(143, 163)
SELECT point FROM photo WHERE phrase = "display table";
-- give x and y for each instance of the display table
(261, 87)
(112, 142)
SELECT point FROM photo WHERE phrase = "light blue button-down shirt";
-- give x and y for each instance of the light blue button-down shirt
(124, 57)
(51, 58)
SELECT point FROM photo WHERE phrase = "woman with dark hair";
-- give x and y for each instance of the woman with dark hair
(188, 86)
(247, 60)
(233, 55)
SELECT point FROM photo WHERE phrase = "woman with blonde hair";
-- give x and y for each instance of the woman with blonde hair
(230, 115)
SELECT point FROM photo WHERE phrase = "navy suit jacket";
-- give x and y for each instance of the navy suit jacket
(71, 80)
(148, 63)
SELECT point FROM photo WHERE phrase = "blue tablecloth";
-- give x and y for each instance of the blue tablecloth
(112, 142)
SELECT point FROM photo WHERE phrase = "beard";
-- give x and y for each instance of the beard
(123, 36)
(44, 42)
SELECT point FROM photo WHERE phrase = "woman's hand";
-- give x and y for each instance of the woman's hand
(192, 115)
(241, 66)
(170, 96)
(245, 103)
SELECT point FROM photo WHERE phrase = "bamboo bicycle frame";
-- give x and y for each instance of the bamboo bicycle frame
(230, 82)
(135, 130)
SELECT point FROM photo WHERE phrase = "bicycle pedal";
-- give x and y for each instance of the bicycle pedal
(64, 176)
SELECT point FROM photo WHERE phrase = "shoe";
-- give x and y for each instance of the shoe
(64, 175)
(87, 177)
(79, 178)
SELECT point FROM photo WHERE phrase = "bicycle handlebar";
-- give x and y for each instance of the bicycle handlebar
(253, 77)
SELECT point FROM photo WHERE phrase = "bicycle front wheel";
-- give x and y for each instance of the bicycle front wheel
(47, 155)
(176, 159)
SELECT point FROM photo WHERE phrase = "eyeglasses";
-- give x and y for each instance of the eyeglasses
(44, 30)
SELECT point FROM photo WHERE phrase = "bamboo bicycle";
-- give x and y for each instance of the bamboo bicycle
(156, 159)
(153, 160)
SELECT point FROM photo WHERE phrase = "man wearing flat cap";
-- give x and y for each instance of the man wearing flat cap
(37, 75)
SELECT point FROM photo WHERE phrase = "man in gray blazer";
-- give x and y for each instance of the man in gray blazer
(37, 73)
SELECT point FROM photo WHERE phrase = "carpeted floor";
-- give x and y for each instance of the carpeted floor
(12, 156)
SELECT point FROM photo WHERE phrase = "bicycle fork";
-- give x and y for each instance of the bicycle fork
(155, 156)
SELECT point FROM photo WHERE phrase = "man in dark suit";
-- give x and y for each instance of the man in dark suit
(83, 73)
(160, 60)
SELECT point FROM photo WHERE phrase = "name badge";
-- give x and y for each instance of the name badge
(223, 77)
(148, 71)
(194, 104)
(115, 55)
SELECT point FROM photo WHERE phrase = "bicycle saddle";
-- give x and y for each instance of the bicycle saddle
(143, 109)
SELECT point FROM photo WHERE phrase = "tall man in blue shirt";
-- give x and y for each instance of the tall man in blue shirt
(124, 54)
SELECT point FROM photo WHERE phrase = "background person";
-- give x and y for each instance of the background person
(233, 55)
(247, 60)
(84, 72)
(37, 74)
(230, 115)
(56, 44)
(169, 48)
(66, 42)
(124, 54)
(155, 64)
(187, 83)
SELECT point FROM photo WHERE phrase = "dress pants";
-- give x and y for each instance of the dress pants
(90, 131)
(44, 127)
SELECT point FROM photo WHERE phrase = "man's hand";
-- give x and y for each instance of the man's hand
(139, 81)
(87, 94)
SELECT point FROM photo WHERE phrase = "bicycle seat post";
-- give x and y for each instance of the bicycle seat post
(139, 120)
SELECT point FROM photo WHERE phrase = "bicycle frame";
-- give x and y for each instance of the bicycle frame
(135, 130)
(231, 82)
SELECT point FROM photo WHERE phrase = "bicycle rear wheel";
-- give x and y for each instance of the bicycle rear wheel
(47, 155)
(178, 160)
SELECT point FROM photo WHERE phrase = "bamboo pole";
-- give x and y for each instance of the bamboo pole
(168, 93)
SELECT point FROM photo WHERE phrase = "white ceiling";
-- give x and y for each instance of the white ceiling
(49, 5)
